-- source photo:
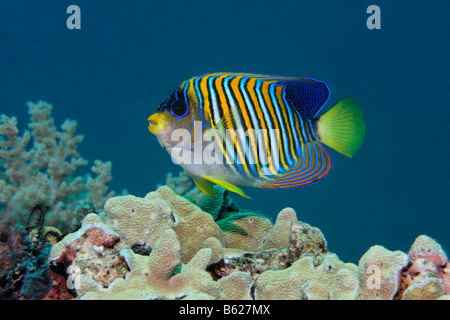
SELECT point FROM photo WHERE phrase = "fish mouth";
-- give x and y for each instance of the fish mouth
(157, 123)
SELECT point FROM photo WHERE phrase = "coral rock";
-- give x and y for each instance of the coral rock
(59, 291)
(245, 231)
(192, 225)
(300, 240)
(216, 248)
(164, 246)
(237, 286)
(278, 236)
(379, 271)
(92, 252)
(426, 248)
(140, 221)
(153, 276)
(428, 289)
(332, 279)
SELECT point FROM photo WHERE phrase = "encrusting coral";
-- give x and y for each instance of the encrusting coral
(189, 256)
(332, 279)
(380, 271)
(192, 225)
(146, 277)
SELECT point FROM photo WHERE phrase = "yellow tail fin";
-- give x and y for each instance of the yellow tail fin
(343, 127)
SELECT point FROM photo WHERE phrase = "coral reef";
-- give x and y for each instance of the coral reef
(163, 246)
(42, 198)
(77, 241)
(40, 167)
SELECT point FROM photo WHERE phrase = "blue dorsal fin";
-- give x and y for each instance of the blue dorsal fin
(307, 95)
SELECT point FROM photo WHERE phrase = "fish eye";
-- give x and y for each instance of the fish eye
(178, 108)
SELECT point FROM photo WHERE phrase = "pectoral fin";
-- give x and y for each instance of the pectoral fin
(205, 186)
(226, 185)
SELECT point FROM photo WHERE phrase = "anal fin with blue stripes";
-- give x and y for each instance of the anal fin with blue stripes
(315, 164)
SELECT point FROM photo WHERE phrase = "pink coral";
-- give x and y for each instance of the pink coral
(59, 290)
(426, 249)
(92, 251)
(10, 242)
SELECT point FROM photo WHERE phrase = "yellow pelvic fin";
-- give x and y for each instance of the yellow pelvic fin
(205, 186)
(226, 185)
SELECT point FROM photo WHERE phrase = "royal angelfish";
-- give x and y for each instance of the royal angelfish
(236, 129)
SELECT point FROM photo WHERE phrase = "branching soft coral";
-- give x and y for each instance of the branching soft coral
(40, 166)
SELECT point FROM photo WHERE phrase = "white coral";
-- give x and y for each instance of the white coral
(39, 167)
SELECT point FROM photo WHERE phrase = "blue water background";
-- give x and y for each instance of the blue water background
(129, 56)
